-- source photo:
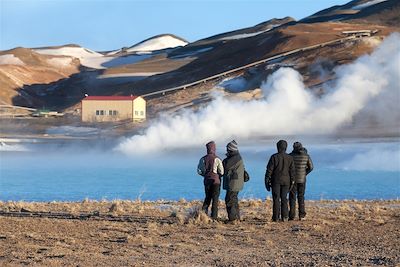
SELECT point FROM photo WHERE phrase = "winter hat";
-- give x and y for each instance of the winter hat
(232, 146)
(297, 146)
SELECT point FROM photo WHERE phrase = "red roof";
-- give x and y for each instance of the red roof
(109, 97)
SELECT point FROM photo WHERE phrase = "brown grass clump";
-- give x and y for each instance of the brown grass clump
(317, 227)
(255, 203)
(178, 215)
(197, 216)
(219, 237)
(379, 220)
(345, 208)
(114, 208)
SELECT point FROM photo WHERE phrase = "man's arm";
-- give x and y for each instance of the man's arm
(310, 165)
(268, 173)
(218, 167)
(201, 167)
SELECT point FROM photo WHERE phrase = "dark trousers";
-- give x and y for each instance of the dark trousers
(212, 193)
(280, 202)
(299, 190)
(232, 205)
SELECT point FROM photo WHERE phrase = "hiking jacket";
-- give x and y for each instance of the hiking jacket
(233, 179)
(210, 167)
(280, 169)
(302, 164)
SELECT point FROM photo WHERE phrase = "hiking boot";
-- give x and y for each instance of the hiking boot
(285, 219)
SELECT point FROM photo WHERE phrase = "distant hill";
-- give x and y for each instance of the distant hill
(58, 77)
(382, 12)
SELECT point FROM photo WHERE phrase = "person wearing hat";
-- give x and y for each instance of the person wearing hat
(233, 180)
(279, 176)
(211, 168)
(303, 166)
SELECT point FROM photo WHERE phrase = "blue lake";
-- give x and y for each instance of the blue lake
(359, 170)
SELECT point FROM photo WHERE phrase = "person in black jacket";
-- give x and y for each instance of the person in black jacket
(303, 166)
(279, 176)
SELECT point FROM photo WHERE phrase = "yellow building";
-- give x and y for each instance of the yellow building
(113, 108)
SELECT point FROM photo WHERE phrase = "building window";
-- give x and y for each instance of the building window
(101, 112)
(136, 112)
(115, 113)
(97, 112)
(142, 113)
(110, 112)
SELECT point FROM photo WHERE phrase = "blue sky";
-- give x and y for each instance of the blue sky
(106, 25)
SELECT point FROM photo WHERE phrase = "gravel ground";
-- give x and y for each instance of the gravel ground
(335, 233)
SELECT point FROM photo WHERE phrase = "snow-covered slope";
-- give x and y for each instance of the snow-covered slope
(157, 43)
(367, 4)
(90, 58)
(10, 59)
(245, 35)
(87, 57)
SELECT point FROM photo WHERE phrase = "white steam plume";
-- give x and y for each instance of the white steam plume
(287, 107)
(375, 160)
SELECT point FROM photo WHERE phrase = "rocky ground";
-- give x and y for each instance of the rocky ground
(134, 233)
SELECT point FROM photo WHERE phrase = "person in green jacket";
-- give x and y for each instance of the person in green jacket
(233, 180)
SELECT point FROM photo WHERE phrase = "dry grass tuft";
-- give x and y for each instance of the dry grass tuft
(178, 215)
(255, 203)
(379, 220)
(219, 237)
(197, 216)
(345, 208)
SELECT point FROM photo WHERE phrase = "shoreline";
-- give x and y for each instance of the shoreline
(175, 233)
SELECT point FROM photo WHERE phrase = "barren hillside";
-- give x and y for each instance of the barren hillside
(166, 61)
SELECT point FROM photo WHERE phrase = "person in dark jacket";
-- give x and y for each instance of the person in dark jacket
(279, 176)
(211, 168)
(303, 166)
(233, 180)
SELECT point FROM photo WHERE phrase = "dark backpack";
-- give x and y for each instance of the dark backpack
(246, 176)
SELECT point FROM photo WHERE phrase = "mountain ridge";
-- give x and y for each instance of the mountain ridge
(139, 71)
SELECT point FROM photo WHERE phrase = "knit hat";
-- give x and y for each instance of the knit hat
(232, 146)
(297, 146)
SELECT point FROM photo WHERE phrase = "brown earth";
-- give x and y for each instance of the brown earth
(335, 233)
(37, 69)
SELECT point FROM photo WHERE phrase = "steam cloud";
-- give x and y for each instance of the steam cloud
(369, 85)
(375, 160)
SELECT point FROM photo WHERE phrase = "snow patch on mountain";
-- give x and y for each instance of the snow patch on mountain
(367, 4)
(193, 53)
(10, 59)
(60, 61)
(124, 60)
(88, 57)
(246, 35)
(157, 43)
